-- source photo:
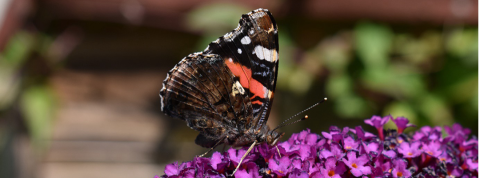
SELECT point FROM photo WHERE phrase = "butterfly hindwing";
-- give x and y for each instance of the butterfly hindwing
(203, 92)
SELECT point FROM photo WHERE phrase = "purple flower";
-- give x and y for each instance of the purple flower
(432, 148)
(313, 167)
(400, 169)
(304, 151)
(333, 136)
(304, 137)
(280, 167)
(297, 163)
(356, 165)
(182, 170)
(288, 147)
(457, 133)
(466, 145)
(251, 170)
(268, 152)
(381, 166)
(389, 154)
(457, 128)
(445, 157)
(297, 173)
(378, 122)
(335, 151)
(428, 133)
(410, 150)
(236, 155)
(332, 168)
(425, 153)
(311, 139)
(454, 170)
(361, 134)
(402, 123)
(371, 148)
(172, 169)
(471, 165)
(350, 144)
(203, 166)
(217, 161)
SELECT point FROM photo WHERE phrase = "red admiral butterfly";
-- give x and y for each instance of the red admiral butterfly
(226, 91)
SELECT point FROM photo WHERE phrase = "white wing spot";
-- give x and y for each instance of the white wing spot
(264, 53)
(237, 89)
(245, 40)
(239, 51)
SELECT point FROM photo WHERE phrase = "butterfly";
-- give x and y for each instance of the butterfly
(226, 91)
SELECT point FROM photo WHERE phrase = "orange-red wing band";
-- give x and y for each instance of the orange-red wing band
(246, 80)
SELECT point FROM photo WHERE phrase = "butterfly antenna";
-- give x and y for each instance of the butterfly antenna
(284, 123)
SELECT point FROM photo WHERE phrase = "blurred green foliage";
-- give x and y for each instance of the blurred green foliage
(429, 75)
(38, 105)
(12, 58)
(24, 90)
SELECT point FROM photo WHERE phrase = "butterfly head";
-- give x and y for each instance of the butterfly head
(273, 137)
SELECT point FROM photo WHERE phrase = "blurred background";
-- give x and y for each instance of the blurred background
(79, 80)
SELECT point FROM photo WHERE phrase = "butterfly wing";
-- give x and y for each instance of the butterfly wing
(251, 53)
(203, 92)
(228, 88)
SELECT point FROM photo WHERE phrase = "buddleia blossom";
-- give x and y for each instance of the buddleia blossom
(348, 152)
(378, 122)
(402, 123)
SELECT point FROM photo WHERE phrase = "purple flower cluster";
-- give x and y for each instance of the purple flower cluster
(349, 152)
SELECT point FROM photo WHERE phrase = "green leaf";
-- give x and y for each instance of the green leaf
(464, 90)
(300, 81)
(38, 107)
(417, 51)
(436, 110)
(338, 85)
(398, 81)
(216, 18)
(17, 49)
(373, 43)
(351, 106)
(335, 53)
(463, 43)
(286, 65)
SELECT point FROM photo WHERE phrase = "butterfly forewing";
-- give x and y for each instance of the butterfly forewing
(264, 41)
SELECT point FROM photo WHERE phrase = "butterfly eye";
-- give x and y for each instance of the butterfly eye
(275, 137)
(202, 123)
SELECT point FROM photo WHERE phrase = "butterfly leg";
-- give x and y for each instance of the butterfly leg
(243, 157)
(278, 151)
(213, 147)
